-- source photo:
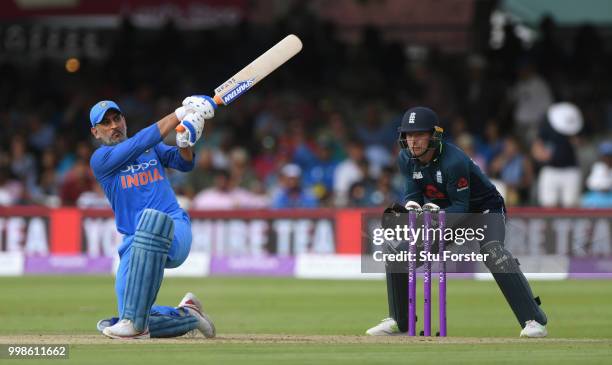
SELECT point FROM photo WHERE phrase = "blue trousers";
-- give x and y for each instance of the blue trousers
(179, 250)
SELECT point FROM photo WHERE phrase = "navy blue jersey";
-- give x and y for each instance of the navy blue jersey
(133, 178)
(451, 180)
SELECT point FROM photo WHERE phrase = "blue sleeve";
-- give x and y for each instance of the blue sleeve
(171, 157)
(412, 191)
(458, 186)
(107, 159)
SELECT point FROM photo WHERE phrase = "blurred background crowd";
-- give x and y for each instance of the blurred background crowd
(321, 131)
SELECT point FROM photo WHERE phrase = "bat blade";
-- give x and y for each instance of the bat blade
(254, 72)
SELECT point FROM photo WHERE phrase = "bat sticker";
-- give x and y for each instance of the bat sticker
(238, 90)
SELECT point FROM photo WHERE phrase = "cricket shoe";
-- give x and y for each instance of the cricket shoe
(387, 327)
(533, 329)
(193, 305)
(124, 329)
(107, 322)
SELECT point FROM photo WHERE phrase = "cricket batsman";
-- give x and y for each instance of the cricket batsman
(157, 232)
(439, 175)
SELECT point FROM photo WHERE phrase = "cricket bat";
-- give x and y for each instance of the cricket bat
(256, 71)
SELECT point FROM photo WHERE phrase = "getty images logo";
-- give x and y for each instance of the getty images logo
(237, 91)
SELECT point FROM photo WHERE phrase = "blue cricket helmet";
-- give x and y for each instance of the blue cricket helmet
(420, 119)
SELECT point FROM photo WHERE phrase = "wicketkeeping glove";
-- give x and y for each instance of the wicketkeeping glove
(392, 216)
(431, 207)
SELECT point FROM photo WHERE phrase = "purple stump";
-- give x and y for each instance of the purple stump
(427, 277)
(442, 282)
(412, 276)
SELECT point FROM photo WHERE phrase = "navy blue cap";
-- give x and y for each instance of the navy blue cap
(418, 119)
(96, 114)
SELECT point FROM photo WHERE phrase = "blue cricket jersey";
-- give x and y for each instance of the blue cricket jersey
(133, 178)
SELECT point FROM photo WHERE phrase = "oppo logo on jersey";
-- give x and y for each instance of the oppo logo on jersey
(139, 167)
(140, 178)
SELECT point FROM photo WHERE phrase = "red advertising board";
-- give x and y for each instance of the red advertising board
(70, 231)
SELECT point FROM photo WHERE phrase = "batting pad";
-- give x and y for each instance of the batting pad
(150, 247)
(162, 326)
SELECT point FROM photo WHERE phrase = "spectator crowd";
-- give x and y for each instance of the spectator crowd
(321, 131)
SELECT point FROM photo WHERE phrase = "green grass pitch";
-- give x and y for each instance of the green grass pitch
(270, 320)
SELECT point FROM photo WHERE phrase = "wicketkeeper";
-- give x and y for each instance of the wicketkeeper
(442, 176)
(157, 232)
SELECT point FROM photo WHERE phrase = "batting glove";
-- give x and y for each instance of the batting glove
(202, 104)
(192, 126)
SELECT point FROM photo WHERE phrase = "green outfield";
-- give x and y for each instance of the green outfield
(265, 321)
